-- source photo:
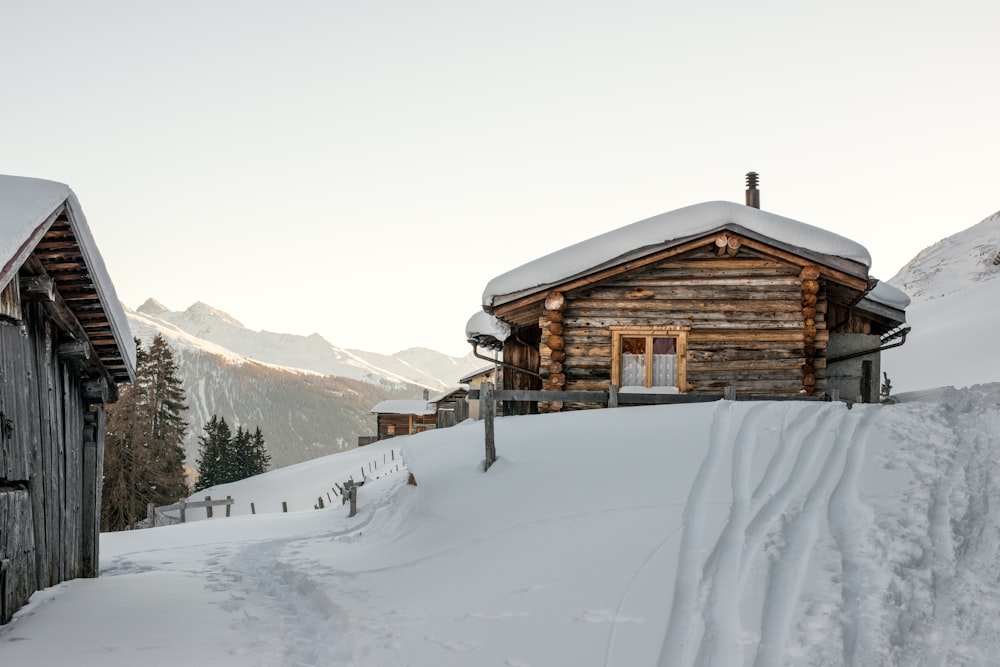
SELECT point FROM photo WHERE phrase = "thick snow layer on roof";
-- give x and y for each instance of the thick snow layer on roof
(484, 324)
(25, 205)
(404, 407)
(664, 228)
(888, 295)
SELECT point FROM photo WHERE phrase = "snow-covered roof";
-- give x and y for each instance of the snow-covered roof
(404, 407)
(665, 229)
(485, 370)
(889, 295)
(482, 324)
(440, 396)
(27, 208)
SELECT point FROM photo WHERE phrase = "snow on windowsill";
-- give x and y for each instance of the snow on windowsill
(636, 389)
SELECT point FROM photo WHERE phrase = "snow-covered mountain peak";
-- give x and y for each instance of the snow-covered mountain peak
(152, 307)
(202, 313)
(954, 263)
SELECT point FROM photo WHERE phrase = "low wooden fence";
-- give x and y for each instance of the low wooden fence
(207, 503)
(489, 397)
(346, 491)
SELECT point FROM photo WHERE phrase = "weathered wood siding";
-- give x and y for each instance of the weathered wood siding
(743, 316)
(49, 475)
(404, 424)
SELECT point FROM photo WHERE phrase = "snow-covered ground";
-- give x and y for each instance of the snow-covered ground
(729, 533)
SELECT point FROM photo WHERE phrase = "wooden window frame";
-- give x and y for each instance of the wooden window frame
(679, 334)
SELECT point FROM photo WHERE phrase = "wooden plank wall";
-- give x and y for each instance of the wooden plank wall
(744, 317)
(48, 527)
(404, 424)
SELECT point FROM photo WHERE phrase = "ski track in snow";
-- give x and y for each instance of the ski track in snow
(705, 626)
(908, 584)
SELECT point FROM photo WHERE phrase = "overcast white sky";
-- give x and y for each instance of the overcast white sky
(363, 169)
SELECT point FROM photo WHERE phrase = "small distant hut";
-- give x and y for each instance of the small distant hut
(65, 345)
(408, 416)
(403, 417)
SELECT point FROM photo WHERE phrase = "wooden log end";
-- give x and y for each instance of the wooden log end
(555, 301)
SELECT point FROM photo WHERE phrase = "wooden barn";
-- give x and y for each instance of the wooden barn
(64, 346)
(403, 417)
(408, 416)
(697, 300)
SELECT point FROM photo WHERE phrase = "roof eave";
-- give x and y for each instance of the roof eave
(849, 267)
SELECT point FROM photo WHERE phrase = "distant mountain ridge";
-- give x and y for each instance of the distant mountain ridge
(421, 367)
(309, 397)
(954, 263)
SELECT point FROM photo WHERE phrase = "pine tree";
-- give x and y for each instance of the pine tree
(214, 454)
(143, 458)
(224, 456)
(260, 459)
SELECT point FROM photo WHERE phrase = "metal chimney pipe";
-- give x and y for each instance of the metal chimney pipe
(753, 194)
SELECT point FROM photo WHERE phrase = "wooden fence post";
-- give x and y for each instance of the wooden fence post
(150, 514)
(253, 508)
(183, 511)
(284, 506)
(208, 508)
(612, 395)
(319, 503)
(489, 409)
(229, 504)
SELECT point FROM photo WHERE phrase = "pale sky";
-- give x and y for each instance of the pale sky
(361, 170)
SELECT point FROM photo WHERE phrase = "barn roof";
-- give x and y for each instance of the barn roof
(668, 229)
(44, 219)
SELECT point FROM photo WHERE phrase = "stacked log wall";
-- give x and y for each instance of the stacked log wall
(48, 506)
(743, 315)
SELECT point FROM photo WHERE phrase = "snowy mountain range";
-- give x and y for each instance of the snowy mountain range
(309, 397)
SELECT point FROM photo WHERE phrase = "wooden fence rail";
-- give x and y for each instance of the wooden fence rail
(488, 398)
(183, 506)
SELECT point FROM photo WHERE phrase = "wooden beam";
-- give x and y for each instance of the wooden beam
(75, 350)
(94, 390)
(38, 288)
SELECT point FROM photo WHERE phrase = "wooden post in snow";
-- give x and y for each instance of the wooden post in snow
(489, 409)
(151, 514)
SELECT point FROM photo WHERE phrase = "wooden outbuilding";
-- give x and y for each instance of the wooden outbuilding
(65, 344)
(403, 417)
(704, 298)
(408, 416)
(475, 379)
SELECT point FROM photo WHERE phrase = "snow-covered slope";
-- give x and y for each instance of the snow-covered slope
(955, 287)
(745, 534)
(429, 369)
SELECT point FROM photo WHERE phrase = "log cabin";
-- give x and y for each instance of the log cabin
(65, 345)
(702, 299)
